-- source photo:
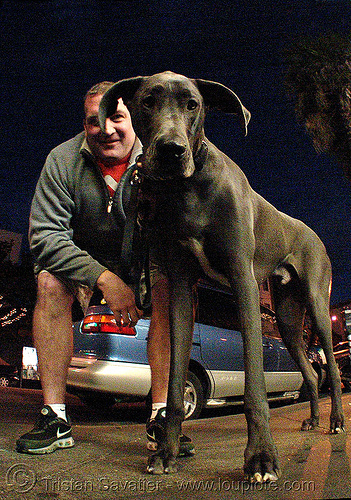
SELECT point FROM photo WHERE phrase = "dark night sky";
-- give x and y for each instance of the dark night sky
(53, 51)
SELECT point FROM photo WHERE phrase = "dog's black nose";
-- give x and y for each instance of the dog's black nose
(170, 150)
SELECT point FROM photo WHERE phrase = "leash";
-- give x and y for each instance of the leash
(135, 249)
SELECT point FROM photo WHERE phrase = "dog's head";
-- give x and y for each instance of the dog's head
(168, 112)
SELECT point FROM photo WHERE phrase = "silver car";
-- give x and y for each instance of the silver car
(110, 362)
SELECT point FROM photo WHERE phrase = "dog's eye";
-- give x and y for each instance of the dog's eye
(149, 101)
(192, 104)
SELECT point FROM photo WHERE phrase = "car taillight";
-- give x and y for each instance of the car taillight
(104, 323)
(91, 324)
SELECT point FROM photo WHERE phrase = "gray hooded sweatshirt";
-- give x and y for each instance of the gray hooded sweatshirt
(72, 232)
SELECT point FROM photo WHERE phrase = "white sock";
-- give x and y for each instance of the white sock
(155, 408)
(60, 410)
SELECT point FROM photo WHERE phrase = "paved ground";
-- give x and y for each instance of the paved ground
(109, 459)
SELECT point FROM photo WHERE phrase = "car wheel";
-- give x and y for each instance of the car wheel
(4, 382)
(193, 397)
(322, 377)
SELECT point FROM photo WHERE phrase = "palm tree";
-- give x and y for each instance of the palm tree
(318, 78)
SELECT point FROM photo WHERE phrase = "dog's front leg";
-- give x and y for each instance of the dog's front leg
(260, 455)
(181, 332)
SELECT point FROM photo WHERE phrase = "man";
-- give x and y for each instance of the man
(76, 241)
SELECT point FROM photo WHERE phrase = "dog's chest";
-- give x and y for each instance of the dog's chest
(177, 214)
(184, 217)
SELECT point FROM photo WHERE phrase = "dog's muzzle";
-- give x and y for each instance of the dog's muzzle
(170, 163)
(166, 159)
(170, 151)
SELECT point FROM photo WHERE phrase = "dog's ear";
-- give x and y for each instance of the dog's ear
(125, 89)
(217, 96)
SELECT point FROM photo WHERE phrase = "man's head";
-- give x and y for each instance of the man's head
(117, 141)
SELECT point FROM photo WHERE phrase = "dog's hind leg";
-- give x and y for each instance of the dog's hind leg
(290, 312)
(318, 310)
(311, 292)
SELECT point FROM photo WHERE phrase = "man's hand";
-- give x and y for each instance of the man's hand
(119, 297)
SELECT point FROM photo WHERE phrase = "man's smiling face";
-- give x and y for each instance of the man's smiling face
(117, 141)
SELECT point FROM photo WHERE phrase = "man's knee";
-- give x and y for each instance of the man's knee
(51, 292)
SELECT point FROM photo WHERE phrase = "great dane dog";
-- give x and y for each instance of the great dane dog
(205, 217)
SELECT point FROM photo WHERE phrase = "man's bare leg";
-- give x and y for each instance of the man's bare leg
(158, 348)
(53, 339)
(53, 336)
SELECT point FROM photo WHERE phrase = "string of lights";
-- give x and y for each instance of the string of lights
(13, 315)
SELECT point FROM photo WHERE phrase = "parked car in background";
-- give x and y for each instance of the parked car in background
(343, 360)
(110, 361)
(341, 322)
(318, 360)
(9, 375)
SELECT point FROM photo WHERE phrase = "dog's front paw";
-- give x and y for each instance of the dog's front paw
(161, 463)
(261, 467)
(310, 423)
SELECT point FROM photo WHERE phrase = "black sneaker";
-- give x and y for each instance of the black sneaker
(155, 432)
(49, 433)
